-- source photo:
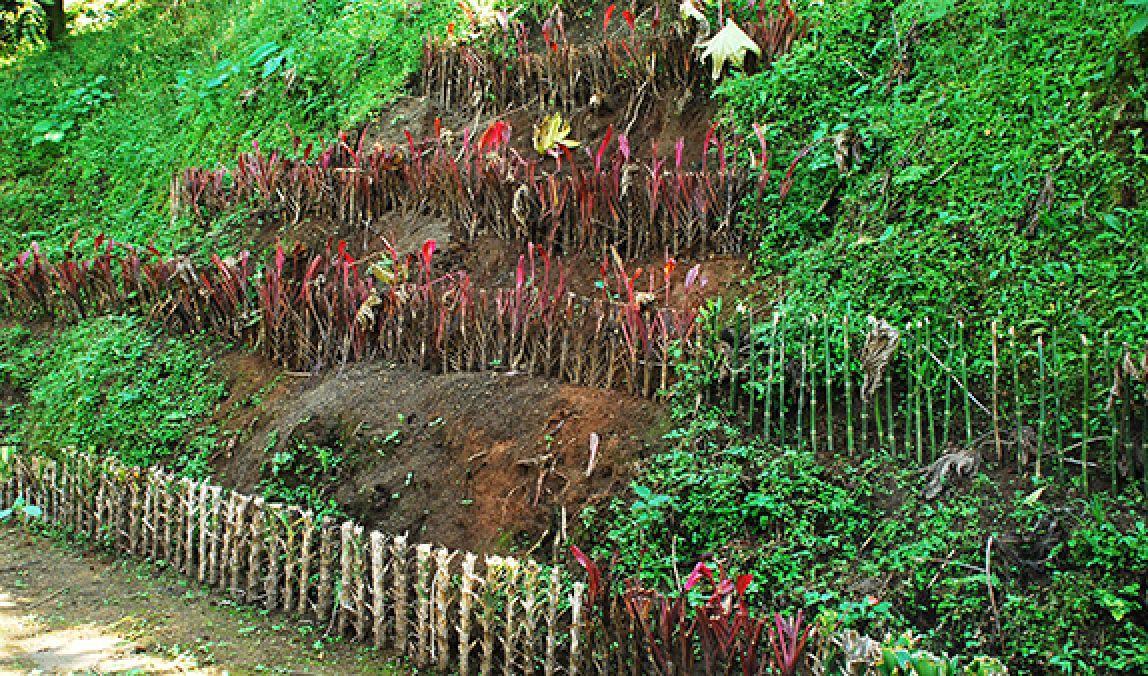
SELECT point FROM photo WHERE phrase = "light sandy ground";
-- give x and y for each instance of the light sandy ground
(65, 609)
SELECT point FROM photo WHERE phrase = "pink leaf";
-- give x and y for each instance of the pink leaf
(692, 275)
(624, 147)
(700, 570)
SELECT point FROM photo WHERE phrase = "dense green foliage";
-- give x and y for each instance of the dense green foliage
(93, 129)
(966, 113)
(855, 541)
(112, 385)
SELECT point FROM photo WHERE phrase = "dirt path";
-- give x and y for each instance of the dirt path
(65, 609)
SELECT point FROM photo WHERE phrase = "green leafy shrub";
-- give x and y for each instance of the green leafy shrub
(976, 158)
(113, 385)
(192, 85)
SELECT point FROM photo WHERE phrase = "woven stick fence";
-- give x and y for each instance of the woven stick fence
(626, 68)
(308, 310)
(590, 201)
(451, 610)
(933, 392)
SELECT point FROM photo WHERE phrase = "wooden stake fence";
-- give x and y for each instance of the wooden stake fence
(443, 609)
(1020, 402)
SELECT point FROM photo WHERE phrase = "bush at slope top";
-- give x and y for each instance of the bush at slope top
(1000, 161)
(93, 129)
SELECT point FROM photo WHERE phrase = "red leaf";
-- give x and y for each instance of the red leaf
(743, 583)
(602, 148)
(495, 136)
(428, 252)
(609, 14)
(592, 570)
(629, 17)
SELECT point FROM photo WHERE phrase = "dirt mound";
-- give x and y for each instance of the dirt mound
(480, 461)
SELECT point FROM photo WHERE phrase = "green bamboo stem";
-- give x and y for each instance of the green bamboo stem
(782, 409)
(848, 387)
(947, 425)
(812, 389)
(1126, 416)
(734, 363)
(828, 345)
(1015, 352)
(918, 389)
(767, 424)
(927, 363)
(909, 339)
(889, 411)
(1057, 399)
(996, 394)
(1042, 421)
(801, 381)
(964, 357)
(877, 417)
(752, 387)
(1087, 394)
(1113, 421)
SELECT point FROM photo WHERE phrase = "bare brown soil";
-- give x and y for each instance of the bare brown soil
(65, 609)
(481, 461)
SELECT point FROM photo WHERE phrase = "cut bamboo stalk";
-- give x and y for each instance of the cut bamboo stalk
(494, 571)
(442, 608)
(190, 506)
(291, 521)
(399, 558)
(423, 604)
(526, 629)
(242, 541)
(344, 602)
(255, 556)
(171, 521)
(326, 589)
(304, 606)
(229, 531)
(467, 596)
(273, 545)
(553, 601)
(379, 589)
(134, 525)
(215, 541)
(510, 622)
